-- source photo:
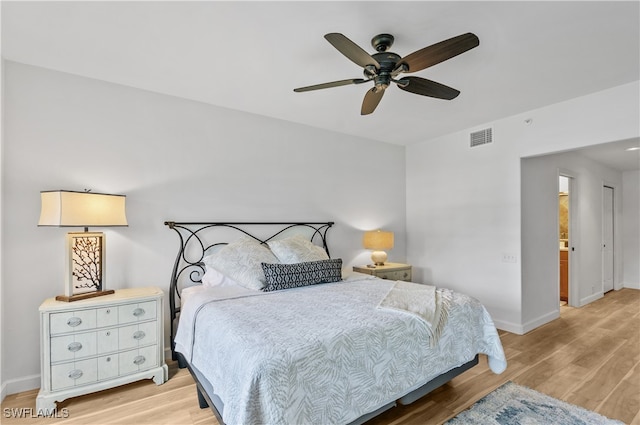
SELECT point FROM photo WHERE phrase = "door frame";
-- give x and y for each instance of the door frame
(573, 291)
(615, 251)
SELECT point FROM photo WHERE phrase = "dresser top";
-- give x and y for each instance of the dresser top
(121, 295)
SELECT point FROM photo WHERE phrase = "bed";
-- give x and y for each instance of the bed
(274, 332)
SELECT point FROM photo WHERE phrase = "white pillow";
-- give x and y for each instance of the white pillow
(297, 249)
(242, 261)
(213, 278)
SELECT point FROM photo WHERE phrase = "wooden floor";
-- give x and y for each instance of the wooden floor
(589, 356)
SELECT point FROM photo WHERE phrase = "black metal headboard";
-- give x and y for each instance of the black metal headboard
(197, 238)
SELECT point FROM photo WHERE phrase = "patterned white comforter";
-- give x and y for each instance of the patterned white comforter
(324, 354)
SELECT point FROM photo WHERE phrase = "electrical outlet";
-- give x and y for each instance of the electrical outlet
(509, 258)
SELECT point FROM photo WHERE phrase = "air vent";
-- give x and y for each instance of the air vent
(481, 137)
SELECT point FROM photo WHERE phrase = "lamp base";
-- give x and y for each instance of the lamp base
(378, 257)
(84, 296)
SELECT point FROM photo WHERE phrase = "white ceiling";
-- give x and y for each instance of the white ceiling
(250, 55)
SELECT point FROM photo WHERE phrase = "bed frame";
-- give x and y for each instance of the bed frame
(196, 238)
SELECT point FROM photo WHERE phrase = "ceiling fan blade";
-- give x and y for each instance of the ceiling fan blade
(371, 100)
(331, 84)
(429, 88)
(439, 52)
(351, 50)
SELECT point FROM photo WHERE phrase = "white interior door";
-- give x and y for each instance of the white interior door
(607, 239)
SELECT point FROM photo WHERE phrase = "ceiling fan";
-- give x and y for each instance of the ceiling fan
(384, 67)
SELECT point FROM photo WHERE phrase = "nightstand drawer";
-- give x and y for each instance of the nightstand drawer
(136, 312)
(133, 336)
(107, 316)
(107, 367)
(73, 374)
(78, 320)
(107, 340)
(74, 346)
(136, 360)
(397, 275)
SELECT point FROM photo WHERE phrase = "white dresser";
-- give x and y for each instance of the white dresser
(100, 343)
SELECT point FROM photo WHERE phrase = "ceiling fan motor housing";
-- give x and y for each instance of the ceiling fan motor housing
(382, 77)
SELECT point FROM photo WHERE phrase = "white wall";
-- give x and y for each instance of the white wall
(462, 215)
(175, 160)
(540, 254)
(464, 204)
(631, 228)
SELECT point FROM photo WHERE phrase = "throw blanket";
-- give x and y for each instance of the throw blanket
(424, 301)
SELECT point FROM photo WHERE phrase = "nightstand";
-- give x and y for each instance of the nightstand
(391, 271)
(99, 343)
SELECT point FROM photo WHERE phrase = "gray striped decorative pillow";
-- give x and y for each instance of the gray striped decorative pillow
(285, 276)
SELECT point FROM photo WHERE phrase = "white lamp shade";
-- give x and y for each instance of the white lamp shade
(378, 240)
(63, 208)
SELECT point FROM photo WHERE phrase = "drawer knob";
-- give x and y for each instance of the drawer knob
(138, 312)
(108, 359)
(108, 310)
(74, 321)
(75, 374)
(74, 346)
(139, 335)
(108, 333)
(139, 360)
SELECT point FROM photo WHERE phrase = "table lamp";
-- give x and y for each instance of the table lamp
(378, 241)
(85, 258)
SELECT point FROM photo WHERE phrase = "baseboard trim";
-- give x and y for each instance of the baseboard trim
(631, 285)
(514, 328)
(591, 298)
(18, 385)
(542, 320)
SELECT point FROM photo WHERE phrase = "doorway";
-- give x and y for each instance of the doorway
(564, 232)
(607, 238)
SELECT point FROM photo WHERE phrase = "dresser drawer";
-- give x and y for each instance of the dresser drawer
(73, 374)
(133, 336)
(137, 360)
(74, 346)
(73, 321)
(107, 340)
(108, 367)
(129, 313)
(107, 316)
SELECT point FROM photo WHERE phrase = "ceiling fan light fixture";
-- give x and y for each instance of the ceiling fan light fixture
(382, 81)
(370, 71)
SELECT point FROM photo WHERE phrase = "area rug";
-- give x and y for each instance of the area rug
(512, 404)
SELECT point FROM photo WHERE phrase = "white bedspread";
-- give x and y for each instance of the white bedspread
(324, 354)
